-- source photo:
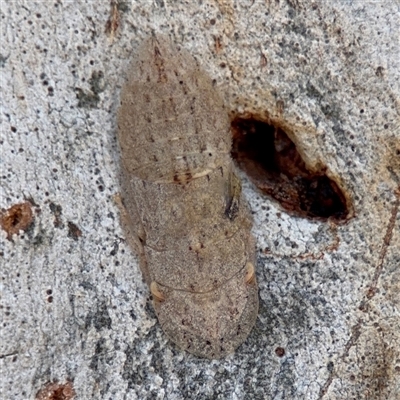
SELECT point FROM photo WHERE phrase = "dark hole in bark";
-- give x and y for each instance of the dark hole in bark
(270, 159)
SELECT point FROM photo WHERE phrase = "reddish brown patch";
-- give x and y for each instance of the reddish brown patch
(17, 218)
(56, 391)
(280, 351)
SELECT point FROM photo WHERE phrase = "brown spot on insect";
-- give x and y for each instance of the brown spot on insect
(182, 178)
(201, 277)
(17, 218)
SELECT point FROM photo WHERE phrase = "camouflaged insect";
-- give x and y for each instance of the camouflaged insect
(183, 208)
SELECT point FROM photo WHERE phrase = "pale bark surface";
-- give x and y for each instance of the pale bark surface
(74, 306)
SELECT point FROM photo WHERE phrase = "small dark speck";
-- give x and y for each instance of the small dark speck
(280, 351)
(330, 366)
(3, 60)
(379, 71)
(73, 231)
(133, 315)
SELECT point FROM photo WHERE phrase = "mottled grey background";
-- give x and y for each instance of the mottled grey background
(335, 66)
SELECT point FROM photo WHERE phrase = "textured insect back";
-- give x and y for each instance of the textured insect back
(167, 106)
(184, 212)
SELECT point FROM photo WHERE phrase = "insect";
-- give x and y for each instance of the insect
(183, 209)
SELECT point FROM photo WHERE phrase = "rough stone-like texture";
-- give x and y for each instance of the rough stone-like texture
(74, 307)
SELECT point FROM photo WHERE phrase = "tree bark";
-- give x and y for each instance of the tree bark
(77, 320)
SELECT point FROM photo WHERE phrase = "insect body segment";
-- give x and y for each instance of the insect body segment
(155, 291)
(184, 209)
